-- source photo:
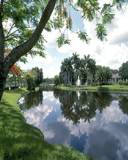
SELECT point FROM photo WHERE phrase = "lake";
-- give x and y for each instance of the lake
(93, 123)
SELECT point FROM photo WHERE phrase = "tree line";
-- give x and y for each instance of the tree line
(84, 69)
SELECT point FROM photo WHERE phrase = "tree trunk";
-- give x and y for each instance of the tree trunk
(3, 77)
(2, 86)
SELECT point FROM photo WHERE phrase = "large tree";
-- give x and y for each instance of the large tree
(22, 22)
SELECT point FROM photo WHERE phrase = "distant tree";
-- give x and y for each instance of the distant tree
(48, 80)
(92, 68)
(123, 71)
(76, 66)
(30, 83)
(103, 74)
(34, 78)
(57, 80)
(37, 75)
(87, 68)
(40, 76)
(67, 72)
(83, 69)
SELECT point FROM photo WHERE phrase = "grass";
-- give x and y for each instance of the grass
(21, 141)
(105, 88)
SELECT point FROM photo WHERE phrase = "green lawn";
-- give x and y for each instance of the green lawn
(106, 88)
(20, 141)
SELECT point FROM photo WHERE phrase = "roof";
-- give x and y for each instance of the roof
(15, 70)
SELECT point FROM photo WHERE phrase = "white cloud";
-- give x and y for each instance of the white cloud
(36, 61)
(112, 52)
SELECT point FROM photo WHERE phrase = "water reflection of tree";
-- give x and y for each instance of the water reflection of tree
(123, 103)
(83, 107)
(33, 99)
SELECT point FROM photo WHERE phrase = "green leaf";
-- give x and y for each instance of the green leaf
(107, 14)
(83, 36)
(101, 31)
(62, 40)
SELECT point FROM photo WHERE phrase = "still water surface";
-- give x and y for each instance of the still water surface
(93, 123)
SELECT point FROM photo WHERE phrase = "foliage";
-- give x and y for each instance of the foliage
(101, 31)
(48, 80)
(83, 36)
(74, 67)
(62, 40)
(123, 82)
(123, 71)
(57, 80)
(34, 78)
(67, 73)
(30, 83)
(22, 16)
(103, 74)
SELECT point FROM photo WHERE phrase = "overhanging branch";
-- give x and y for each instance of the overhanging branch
(24, 48)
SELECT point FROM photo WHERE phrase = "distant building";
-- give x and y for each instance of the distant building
(14, 79)
(115, 75)
(15, 70)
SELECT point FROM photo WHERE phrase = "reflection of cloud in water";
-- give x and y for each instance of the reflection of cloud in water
(61, 133)
(110, 114)
(105, 136)
(38, 114)
(109, 143)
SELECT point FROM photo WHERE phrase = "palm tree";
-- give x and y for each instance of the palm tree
(92, 68)
(76, 66)
(84, 69)
(67, 72)
(88, 69)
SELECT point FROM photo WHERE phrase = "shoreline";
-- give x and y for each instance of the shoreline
(104, 88)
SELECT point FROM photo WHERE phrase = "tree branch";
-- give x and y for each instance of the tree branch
(22, 49)
(9, 31)
(10, 35)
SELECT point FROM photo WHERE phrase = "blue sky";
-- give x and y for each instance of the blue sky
(112, 52)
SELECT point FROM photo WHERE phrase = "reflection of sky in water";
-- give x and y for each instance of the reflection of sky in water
(105, 136)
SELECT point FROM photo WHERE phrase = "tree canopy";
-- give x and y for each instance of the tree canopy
(21, 17)
(85, 69)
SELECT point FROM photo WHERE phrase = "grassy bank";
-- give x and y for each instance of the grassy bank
(20, 141)
(105, 88)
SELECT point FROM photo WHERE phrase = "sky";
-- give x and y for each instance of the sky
(112, 52)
